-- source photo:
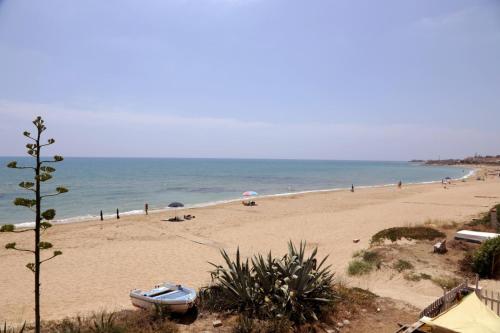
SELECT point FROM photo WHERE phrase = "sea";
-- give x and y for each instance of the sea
(126, 184)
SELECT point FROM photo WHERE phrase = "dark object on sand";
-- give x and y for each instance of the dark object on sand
(175, 204)
(117, 214)
(189, 217)
(355, 240)
(249, 203)
(175, 219)
(102, 217)
(440, 247)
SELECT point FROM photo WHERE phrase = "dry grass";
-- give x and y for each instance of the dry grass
(114, 322)
(447, 282)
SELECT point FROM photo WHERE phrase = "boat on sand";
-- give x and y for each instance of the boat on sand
(172, 297)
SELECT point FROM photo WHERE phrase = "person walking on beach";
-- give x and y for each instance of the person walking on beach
(146, 207)
(352, 187)
(400, 184)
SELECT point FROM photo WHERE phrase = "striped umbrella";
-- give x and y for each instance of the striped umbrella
(250, 193)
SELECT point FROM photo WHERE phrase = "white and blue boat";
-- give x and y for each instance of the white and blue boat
(172, 297)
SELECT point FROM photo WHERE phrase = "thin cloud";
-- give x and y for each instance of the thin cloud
(147, 134)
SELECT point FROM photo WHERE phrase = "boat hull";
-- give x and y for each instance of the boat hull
(168, 296)
(150, 305)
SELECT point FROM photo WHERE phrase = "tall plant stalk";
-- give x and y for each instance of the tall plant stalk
(42, 173)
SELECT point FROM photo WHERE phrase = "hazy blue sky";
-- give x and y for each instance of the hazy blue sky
(253, 78)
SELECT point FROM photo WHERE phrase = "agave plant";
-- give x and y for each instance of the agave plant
(294, 287)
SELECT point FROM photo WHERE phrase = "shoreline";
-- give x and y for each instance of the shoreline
(473, 170)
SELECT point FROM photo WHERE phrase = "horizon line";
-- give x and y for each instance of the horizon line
(221, 158)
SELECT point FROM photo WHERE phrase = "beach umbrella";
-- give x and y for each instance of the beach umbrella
(176, 205)
(249, 194)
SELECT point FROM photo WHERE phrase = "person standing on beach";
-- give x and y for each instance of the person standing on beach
(146, 207)
(352, 187)
(400, 184)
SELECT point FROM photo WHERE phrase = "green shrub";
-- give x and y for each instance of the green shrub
(397, 233)
(364, 264)
(294, 287)
(483, 259)
(372, 257)
(402, 265)
(7, 228)
(359, 267)
(484, 219)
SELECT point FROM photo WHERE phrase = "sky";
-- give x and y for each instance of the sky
(322, 79)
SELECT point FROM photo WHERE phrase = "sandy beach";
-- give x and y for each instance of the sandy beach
(103, 261)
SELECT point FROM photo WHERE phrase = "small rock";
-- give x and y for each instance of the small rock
(339, 324)
(363, 310)
(329, 330)
(378, 309)
(356, 240)
(346, 322)
(217, 323)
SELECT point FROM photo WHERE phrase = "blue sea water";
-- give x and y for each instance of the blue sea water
(128, 183)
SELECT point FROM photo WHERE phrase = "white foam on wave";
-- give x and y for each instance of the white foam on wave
(86, 218)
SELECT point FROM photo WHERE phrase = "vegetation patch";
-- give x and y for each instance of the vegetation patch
(411, 276)
(350, 301)
(8, 329)
(364, 261)
(114, 322)
(397, 233)
(359, 267)
(402, 265)
(483, 223)
(246, 324)
(371, 257)
(7, 228)
(415, 277)
(296, 287)
(447, 282)
(486, 260)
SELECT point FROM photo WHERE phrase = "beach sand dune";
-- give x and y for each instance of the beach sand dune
(103, 261)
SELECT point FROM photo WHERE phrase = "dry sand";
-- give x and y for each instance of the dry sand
(103, 261)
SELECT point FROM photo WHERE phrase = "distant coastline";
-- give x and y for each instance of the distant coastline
(473, 160)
